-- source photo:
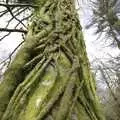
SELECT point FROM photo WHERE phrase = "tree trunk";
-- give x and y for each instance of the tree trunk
(50, 78)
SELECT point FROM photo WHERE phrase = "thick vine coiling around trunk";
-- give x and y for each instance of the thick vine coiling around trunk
(50, 78)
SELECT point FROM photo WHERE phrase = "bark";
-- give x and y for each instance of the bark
(50, 78)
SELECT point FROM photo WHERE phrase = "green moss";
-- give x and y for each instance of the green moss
(39, 94)
(50, 75)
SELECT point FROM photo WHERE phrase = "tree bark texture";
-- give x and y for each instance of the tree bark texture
(50, 78)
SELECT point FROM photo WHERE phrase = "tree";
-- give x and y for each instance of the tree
(107, 73)
(111, 77)
(106, 20)
(50, 77)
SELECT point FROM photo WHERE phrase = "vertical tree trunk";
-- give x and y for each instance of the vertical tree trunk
(50, 77)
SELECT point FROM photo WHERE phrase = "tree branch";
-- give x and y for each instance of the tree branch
(12, 30)
(18, 5)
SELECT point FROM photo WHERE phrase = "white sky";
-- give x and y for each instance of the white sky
(95, 48)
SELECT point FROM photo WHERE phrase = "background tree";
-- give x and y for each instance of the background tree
(107, 73)
(105, 19)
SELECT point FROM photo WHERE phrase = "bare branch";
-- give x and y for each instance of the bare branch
(5, 36)
(15, 16)
(13, 30)
(18, 5)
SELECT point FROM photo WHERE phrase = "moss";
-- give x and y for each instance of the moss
(15, 74)
(50, 76)
(66, 99)
(41, 91)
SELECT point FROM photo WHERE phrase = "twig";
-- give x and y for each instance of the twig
(8, 8)
(13, 30)
(18, 5)
(5, 36)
